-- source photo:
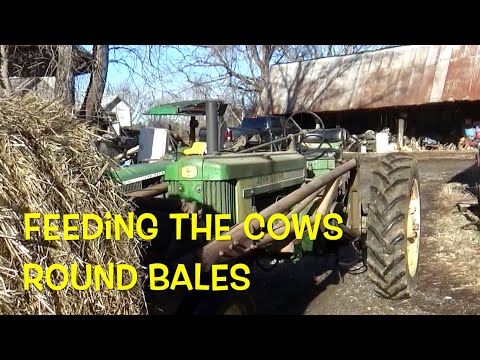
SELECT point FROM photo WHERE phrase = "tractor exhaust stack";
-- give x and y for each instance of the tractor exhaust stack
(211, 112)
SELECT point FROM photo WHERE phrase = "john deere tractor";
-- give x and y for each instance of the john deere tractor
(377, 196)
(146, 178)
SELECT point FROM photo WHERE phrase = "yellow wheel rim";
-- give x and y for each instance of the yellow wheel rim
(413, 230)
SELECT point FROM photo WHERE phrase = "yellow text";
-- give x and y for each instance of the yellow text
(279, 227)
(90, 226)
(59, 277)
(210, 220)
(196, 279)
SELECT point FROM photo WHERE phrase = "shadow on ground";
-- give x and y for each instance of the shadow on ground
(469, 176)
(289, 288)
(293, 289)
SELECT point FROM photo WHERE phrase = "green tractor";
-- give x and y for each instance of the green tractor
(146, 178)
(377, 197)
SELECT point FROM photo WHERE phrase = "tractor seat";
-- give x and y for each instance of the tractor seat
(198, 148)
(332, 135)
(332, 142)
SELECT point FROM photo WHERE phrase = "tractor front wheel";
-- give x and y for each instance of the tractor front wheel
(394, 226)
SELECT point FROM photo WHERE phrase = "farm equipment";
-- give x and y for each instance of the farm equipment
(139, 178)
(377, 197)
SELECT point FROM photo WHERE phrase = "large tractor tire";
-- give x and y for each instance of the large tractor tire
(394, 226)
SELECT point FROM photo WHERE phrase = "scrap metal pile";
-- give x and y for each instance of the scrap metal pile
(49, 165)
(368, 140)
(471, 140)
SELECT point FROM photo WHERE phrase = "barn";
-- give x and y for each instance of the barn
(433, 89)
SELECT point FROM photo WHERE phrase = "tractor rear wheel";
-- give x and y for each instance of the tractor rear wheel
(394, 226)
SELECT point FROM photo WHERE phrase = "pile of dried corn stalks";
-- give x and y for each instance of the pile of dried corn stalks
(49, 164)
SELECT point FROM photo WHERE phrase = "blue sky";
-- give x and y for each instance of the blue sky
(115, 73)
(159, 76)
(156, 76)
(123, 72)
(137, 74)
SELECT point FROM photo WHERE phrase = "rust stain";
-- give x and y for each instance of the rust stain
(360, 83)
(351, 67)
(370, 93)
(380, 86)
(425, 86)
(459, 76)
(393, 79)
(475, 76)
(417, 74)
(405, 76)
(400, 76)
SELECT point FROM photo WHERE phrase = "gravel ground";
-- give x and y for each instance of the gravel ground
(449, 269)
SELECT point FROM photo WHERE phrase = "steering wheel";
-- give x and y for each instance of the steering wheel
(318, 133)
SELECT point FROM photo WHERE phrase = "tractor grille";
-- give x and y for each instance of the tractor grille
(132, 187)
(173, 187)
(220, 195)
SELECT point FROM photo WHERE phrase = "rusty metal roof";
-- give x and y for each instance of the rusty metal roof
(399, 76)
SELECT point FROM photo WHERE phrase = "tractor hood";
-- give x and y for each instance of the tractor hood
(139, 172)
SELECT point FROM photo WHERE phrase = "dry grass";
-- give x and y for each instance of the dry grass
(48, 164)
(454, 192)
(456, 248)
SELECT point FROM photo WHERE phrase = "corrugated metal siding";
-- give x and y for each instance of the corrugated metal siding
(401, 76)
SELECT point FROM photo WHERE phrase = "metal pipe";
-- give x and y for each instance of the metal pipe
(129, 152)
(349, 234)
(222, 128)
(303, 204)
(151, 191)
(212, 127)
(253, 148)
(220, 251)
(242, 156)
(327, 201)
(322, 209)
(268, 239)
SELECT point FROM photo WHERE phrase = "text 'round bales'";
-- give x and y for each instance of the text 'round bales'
(123, 277)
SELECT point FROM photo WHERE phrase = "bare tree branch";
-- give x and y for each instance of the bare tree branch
(64, 82)
(98, 79)
(6, 84)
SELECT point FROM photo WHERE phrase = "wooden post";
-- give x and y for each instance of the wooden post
(401, 127)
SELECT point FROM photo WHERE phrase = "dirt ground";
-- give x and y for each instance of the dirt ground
(449, 277)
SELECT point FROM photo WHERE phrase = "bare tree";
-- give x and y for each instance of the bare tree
(243, 70)
(5, 79)
(309, 52)
(64, 62)
(139, 99)
(65, 80)
(98, 79)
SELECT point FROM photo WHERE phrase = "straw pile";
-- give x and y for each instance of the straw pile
(49, 164)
